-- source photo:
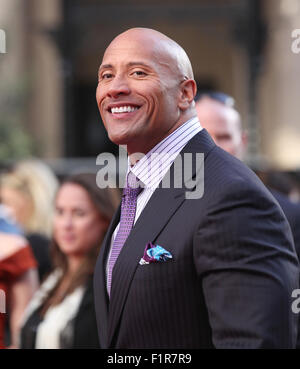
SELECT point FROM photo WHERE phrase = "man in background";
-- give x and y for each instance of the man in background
(222, 121)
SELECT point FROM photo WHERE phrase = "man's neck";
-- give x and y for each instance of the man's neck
(135, 154)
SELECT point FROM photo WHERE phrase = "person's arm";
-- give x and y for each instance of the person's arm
(21, 293)
(244, 254)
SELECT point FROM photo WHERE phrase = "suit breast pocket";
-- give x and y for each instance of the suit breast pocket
(163, 273)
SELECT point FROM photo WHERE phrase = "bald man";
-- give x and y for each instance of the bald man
(223, 123)
(177, 270)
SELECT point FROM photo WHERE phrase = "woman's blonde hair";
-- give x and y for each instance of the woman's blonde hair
(35, 180)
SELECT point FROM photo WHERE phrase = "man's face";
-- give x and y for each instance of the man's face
(137, 93)
(222, 123)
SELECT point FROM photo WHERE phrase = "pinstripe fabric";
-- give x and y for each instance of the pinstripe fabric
(154, 165)
(233, 261)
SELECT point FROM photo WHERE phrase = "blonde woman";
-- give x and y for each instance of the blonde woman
(28, 191)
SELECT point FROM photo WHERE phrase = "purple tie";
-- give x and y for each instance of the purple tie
(128, 208)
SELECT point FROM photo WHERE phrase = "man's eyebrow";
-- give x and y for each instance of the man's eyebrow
(130, 64)
(104, 66)
(136, 63)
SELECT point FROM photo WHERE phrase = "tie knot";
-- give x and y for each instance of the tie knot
(133, 185)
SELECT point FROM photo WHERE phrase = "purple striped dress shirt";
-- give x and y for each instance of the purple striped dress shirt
(152, 167)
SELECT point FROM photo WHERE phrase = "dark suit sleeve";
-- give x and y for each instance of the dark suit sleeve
(85, 328)
(244, 253)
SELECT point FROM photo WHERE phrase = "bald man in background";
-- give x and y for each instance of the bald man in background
(222, 122)
(177, 270)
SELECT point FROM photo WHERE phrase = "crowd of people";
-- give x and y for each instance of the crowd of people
(222, 266)
(50, 235)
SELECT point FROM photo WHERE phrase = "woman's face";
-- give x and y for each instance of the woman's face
(78, 226)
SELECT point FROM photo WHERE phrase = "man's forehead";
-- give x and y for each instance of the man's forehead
(124, 48)
(138, 36)
(151, 45)
(128, 59)
(218, 123)
(134, 55)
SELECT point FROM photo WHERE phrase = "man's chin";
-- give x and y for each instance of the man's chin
(118, 140)
(122, 138)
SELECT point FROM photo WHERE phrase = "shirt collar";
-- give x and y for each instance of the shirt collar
(152, 167)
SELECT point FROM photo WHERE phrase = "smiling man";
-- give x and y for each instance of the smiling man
(176, 272)
(138, 90)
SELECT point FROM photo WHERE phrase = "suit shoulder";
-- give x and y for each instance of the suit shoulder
(225, 175)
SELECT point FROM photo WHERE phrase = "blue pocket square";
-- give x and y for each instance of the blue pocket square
(154, 254)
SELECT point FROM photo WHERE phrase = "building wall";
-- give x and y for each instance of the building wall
(45, 110)
(31, 66)
(34, 57)
(279, 88)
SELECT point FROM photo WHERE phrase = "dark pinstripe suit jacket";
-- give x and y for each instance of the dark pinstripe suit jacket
(233, 270)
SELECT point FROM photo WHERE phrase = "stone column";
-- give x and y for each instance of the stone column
(46, 103)
(279, 89)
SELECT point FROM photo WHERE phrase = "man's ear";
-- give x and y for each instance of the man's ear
(188, 89)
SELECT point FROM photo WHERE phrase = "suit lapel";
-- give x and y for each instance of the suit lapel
(146, 229)
(160, 208)
(101, 278)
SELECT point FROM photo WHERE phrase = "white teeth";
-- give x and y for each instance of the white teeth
(123, 109)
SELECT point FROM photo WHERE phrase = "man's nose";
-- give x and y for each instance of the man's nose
(118, 86)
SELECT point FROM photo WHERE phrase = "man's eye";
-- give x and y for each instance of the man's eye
(106, 76)
(139, 73)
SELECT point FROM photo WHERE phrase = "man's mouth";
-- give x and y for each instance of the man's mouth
(124, 109)
(121, 109)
